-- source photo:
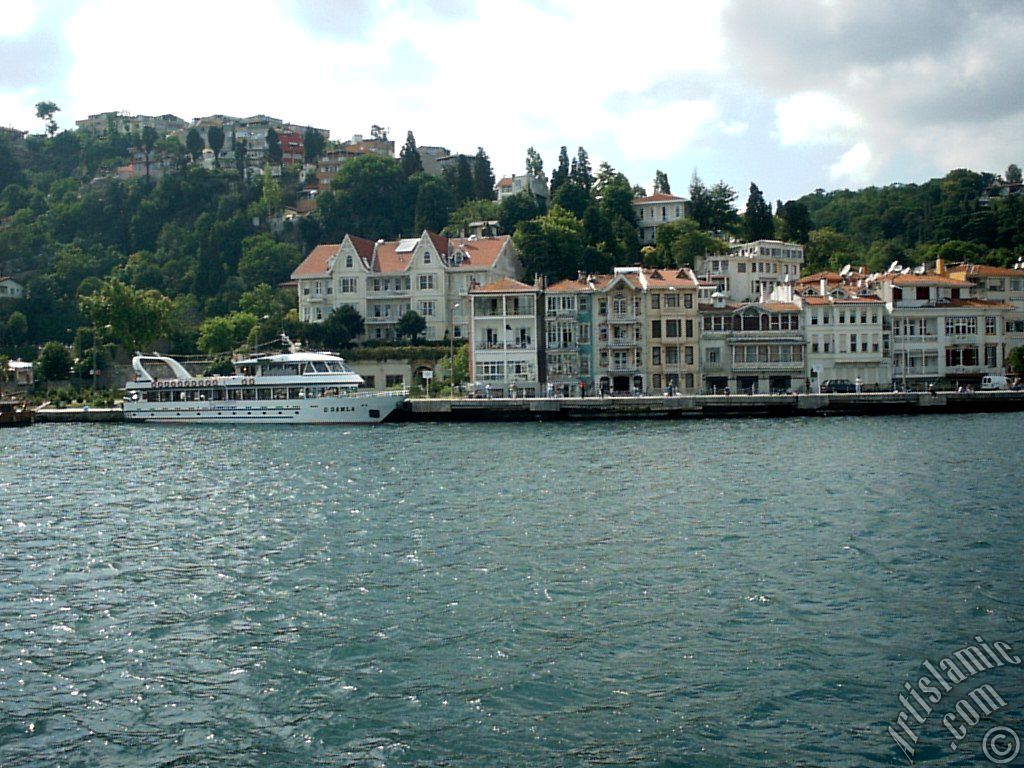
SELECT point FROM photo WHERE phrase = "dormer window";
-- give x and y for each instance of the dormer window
(426, 257)
(348, 261)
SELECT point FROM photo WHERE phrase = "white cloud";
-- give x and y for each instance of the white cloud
(813, 117)
(18, 18)
(854, 165)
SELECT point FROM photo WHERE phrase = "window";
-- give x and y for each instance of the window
(426, 256)
(688, 300)
(741, 267)
(672, 329)
(348, 285)
(853, 342)
(656, 356)
(672, 300)
(425, 308)
(714, 354)
(655, 329)
(688, 355)
(671, 355)
(584, 304)
(655, 301)
(961, 326)
(990, 326)
(602, 307)
(689, 329)
(922, 293)
(348, 260)
(426, 282)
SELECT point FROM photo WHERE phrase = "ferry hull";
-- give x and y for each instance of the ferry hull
(357, 409)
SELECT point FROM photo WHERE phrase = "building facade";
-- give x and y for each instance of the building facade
(536, 186)
(752, 347)
(750, 271)
(382, 280)
(11, 288)
(633, 331)
(655, 210)
(506, 339)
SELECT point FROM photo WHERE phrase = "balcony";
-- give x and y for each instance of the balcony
(622, 343)
(790, 365)
(499, 345)
(626, 368)
(380, 320)
(623, 317)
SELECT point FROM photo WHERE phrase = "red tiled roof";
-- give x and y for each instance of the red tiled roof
(659, 197)
(315, 264)
(388, 259)
(922, 280)
(482, 251)
(504, 285)
(984, 270)
(832, 277)
(363, 247)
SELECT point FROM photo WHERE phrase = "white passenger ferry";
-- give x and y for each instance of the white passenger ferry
(292, 387)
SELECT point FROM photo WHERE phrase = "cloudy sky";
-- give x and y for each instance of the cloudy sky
(791, 94)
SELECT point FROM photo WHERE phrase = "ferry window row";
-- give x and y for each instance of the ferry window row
(242, 394)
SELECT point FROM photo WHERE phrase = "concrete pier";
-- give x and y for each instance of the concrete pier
(707, 406)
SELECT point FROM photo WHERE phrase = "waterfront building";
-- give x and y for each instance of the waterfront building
(430, 274)
(633, 331)
(847, 333)
(751, 347)
(657, 209)
(1002, 285)
(750, 271)
(941, 331)
(506, 339)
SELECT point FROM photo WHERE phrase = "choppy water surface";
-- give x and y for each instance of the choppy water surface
(708, 594)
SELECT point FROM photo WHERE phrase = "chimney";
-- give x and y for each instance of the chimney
(823, 286)
(940, 266)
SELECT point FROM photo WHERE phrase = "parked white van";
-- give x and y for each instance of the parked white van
(995, 382)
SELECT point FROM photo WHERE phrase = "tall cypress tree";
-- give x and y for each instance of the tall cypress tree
(758, 223)
(582, 173)
(483, 176)
(561, 173)
(410, 156)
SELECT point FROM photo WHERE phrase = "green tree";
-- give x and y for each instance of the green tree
(470, 211)
(148, 140)
(274, 153)
(225, 333)
(367, 198)
(264, 260)
(1015, 361)
(758, 223)
(551, 245)
(434, 203)
(1013, 174)
(661, 183)
(345, 324)
(409, 157)
(215, 138)
(14, 331)
(679, 243)
(410, 325)
(135, 318)
(561, 173)
(264, 300)
(194, 144)
(795, 222)
(54, 362)
(313, 145)
(534, 163)
(828, 249)
(45, 110)
(521, 206)
(580, 171)
(240, 149)
(483, 176)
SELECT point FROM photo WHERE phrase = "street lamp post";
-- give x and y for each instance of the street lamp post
(451, 349)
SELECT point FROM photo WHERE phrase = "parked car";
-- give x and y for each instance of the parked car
(838, 386)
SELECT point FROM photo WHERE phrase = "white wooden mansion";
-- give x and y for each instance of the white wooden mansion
(430, 274)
